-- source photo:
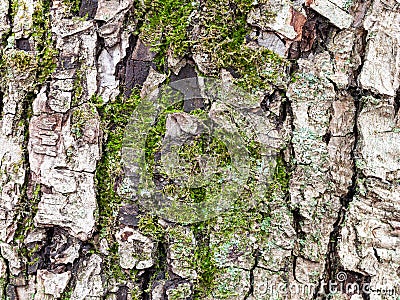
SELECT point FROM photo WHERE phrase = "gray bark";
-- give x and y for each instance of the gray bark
(68, 231)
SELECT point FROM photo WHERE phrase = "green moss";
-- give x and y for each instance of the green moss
(205, 144)
(221, 30)
(113, 268)
(80, 116)
(192, 156)
(21, 60)
(115, 115)
(165, 25)
(203, 261)
(37, 65)
(149, 226)
(181, 292)
(72, 6)
(223, 38)
(79, 80)
(46, 53)
(256, 69)
(26, 213)
(44, 60)
(239, 221)
(156, 133)
(280, 178)
(14, 8)
(66, 296)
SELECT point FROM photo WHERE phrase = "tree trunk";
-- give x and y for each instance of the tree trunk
(313, 92)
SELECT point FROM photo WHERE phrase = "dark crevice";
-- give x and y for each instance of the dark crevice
(378, 258)
(157, 272)
(10, 14)
(327, 137)
(300, 234)
(23, 44)
(88, 8)
(302, 50)
(294, 262)
(333, 264)
(360, 50)
(7, 276)
(74, 271)
(122, 293)
(359, 93)
(396, 103)
(297, 220)
(133, 69)
(284, 111)
(335, 86)
(120, 68)
(46, 253)
(278, 96)
(100, 45)
(256, 256)
(26, 209)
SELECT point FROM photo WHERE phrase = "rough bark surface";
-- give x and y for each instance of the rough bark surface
(327, 76)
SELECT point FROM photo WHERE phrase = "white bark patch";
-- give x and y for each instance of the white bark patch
(381, 70)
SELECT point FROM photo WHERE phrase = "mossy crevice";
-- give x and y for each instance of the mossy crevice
(41, 33)
(115, 115)
(42, 61)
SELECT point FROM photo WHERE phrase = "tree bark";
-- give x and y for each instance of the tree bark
(326, 78)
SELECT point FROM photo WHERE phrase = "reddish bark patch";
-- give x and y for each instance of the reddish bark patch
(126, 235)
(308, 37)
(297, 22)
(309, 2)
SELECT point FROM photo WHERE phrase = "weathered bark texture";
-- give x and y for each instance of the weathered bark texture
(71, 74)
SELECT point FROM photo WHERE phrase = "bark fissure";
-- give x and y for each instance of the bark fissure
(323, 122)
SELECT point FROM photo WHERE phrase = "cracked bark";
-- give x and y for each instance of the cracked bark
(336, 126)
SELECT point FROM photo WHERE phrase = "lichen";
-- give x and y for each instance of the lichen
(181, 292)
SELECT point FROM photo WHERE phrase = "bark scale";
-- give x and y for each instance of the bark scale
(72, 74)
